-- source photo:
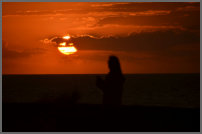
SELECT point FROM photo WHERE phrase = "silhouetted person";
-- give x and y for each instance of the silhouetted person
(112, 85)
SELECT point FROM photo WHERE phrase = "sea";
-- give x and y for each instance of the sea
(166, 90)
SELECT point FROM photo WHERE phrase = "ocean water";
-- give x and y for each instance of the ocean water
(168, 90)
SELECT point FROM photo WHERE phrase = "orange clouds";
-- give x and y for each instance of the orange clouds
(96, 18)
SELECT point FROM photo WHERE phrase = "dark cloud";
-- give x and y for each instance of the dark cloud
(9, 53)
(160, 45)
(147, 41)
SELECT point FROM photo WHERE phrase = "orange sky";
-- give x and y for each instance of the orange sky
(147, 37)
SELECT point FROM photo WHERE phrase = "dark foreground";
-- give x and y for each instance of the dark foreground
(96, 118)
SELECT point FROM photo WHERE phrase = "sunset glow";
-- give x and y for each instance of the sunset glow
(78, 37)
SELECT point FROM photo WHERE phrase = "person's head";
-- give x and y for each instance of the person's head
(114, 64)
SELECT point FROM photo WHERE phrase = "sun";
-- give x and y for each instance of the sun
(67, 49)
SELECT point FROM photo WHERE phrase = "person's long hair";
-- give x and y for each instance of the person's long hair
(114, 66)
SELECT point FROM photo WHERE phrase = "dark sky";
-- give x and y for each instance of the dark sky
(147, 37)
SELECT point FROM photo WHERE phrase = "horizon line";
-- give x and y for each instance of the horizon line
(102, 74)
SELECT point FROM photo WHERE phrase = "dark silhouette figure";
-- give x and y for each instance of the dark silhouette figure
(112, 85)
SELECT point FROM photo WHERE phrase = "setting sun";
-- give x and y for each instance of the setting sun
(67, 50)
